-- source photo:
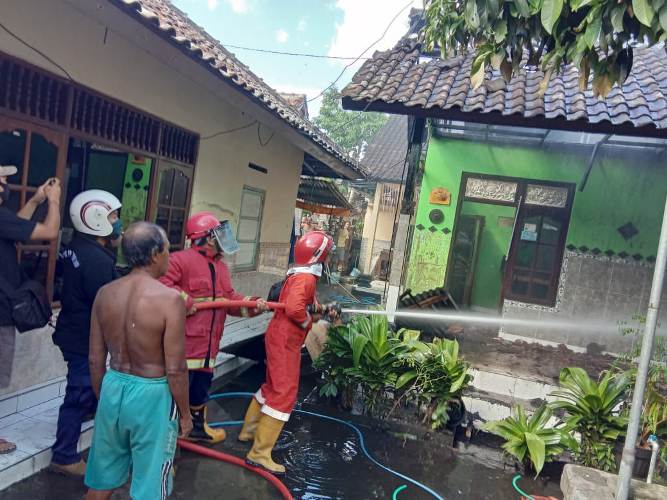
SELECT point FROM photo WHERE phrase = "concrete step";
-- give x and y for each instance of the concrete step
(493, 395)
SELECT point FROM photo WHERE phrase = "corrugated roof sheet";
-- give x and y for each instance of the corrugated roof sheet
(385, 154)
(174, 25)
(321, 192)
(403, 80)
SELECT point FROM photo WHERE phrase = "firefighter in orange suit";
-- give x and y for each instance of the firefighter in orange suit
(201, 275)
(271, 406)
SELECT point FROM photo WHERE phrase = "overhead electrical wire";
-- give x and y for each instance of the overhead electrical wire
(297, 54)
(21, 40)
(347, 66)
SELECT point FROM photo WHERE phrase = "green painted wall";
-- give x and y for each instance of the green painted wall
(624, 186)
(494, 242)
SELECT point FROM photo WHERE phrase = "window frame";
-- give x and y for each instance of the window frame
(258, 235)
(172, 143)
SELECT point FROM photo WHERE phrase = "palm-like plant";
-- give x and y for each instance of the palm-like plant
(593, 409)
(438, 377)
(530, 440)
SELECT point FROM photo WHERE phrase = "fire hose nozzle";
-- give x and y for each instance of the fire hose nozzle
(331, 311)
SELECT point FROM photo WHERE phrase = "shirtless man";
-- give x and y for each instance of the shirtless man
(140, 322)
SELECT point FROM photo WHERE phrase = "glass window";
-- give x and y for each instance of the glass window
(250, 222)
(175, 182)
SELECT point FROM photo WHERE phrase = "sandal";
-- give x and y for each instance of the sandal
(6, 446)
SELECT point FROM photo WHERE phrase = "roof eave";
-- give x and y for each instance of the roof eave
(497, 118)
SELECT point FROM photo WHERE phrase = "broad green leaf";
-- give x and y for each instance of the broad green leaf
(500, 30)
(477, 74)
(584, 74)
(497, 59)
(551, 10)
(472, 15)
(405, 378)
(537, 451)
(643, 11)
(663, 18)
(358, 345)
(575, 5)
(522, 7)
(617, 14)
(593, 32)
(506, 70)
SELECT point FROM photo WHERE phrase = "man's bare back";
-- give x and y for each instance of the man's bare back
(133, 313)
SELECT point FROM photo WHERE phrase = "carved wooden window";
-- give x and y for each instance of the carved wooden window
(38, 154)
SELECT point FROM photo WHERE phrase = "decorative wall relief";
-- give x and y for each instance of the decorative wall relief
(440, 196)
(547, 196)
(491, 189)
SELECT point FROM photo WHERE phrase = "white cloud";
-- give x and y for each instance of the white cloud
(364, 22)
(302, 24)
(212, 4)
(282, 36)
(238, 6)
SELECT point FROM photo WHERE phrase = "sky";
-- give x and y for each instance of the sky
(325, 27)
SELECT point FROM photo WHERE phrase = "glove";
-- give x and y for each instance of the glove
(330, 311)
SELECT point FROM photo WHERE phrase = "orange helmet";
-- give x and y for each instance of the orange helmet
(200, 225)
(312, 248)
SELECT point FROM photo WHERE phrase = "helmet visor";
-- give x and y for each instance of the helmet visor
(224, 237)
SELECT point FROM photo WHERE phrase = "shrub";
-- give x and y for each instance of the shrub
(593, 410)
(529, 440)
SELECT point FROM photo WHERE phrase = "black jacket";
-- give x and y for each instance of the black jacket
(86, 266)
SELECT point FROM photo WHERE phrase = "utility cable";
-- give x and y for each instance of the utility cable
(229, 131)
(298, 54)
(384, 33)
(21, 40)
(259, 137)
(519, 490)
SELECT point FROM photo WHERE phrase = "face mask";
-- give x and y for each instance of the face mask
(117, 229)
(4, 194)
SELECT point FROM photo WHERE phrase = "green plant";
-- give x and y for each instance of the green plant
(437, 377)
(362, 352)
(530, 440)
(654, 404)
(594, 35)
(592, 409)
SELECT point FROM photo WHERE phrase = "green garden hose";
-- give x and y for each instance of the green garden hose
(519, 490)
(397, 491)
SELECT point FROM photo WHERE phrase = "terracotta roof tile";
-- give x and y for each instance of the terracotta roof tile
(444, 85)
(174, 25)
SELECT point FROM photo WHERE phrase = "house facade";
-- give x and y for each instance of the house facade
(132, 97)
(384, 160)
(536, 206)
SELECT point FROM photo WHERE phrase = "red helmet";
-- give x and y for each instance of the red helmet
(312, 248)
(200, 225)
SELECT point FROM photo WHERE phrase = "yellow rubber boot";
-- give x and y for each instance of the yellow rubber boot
(250, 422)
(266, 435)
(201, 432)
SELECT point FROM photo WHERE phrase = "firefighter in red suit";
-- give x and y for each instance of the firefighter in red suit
(200, 275)
(271, 406)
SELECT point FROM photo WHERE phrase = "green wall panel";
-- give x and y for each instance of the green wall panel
(625, 185)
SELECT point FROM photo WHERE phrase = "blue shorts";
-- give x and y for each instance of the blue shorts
(136, 427)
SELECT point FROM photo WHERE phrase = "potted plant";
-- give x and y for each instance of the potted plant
(531, 440)
(593, 410)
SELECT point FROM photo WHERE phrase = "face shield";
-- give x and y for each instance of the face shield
(224, 237)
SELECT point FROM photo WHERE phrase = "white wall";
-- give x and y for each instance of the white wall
(114, 55)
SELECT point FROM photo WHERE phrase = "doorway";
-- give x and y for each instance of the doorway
(508, 241)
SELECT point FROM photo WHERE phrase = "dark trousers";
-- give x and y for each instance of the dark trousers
(200, 385)
(80, 402)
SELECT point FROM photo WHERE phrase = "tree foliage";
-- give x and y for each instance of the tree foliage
(593, 35)
(351, 130)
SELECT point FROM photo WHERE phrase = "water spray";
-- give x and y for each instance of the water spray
(434, 316)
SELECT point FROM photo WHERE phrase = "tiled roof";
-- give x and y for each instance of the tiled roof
(297, 101)
(385, 154)
(403, 80)
(321, 192)
(174, 25)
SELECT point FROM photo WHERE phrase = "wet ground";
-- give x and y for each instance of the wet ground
(325, 461)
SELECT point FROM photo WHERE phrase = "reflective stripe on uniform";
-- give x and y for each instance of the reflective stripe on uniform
(272, 412)
(196, 364)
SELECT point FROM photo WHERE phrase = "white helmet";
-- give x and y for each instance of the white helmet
(90, 210)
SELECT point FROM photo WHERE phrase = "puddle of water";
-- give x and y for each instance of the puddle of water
(324, 461)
